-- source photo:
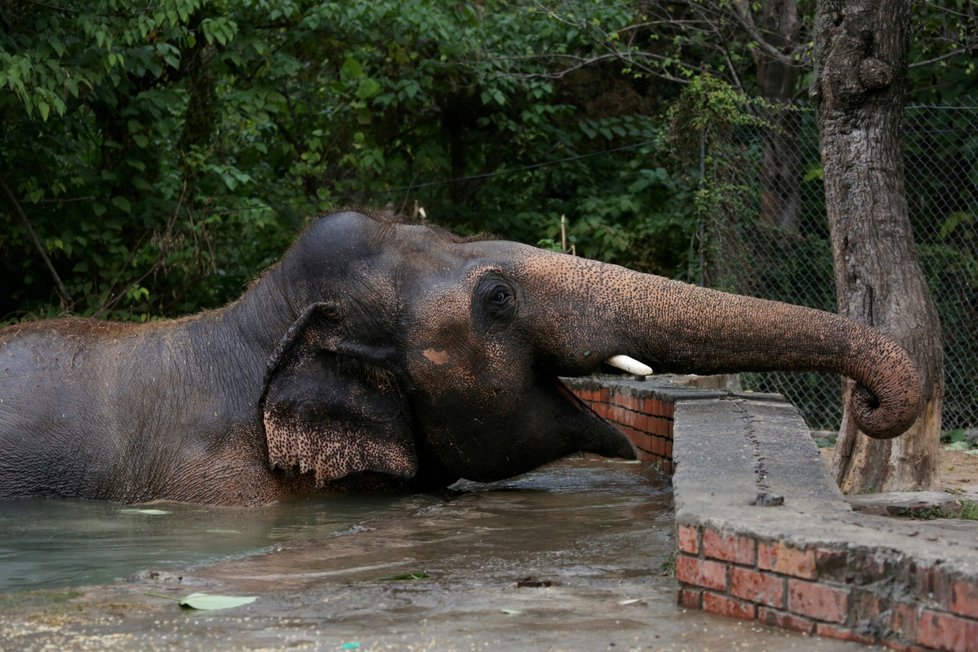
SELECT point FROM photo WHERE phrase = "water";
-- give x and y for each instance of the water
(575, 556)
(59, 543)
(49, 543)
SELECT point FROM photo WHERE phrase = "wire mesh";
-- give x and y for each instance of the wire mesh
(766, 235)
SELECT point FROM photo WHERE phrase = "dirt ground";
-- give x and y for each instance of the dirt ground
(959, 470)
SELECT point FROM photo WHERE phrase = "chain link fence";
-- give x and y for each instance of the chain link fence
(765, 234)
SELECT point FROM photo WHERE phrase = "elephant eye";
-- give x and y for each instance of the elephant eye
(498, 302)
(501, 296)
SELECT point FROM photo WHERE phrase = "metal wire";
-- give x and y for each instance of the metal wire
(766, 235)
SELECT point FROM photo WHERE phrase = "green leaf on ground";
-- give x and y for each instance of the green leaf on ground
(209, 602)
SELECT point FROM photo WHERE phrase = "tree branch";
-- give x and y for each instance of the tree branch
(59, 286)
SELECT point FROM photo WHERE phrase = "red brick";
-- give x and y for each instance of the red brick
(832, 564)
(669, 447)
(623, 400)
(946, 632)
(728, 547)
(640, 439)
(865, 606)
(635, 419)
(901, 646)
(691, 598)
(843, 633)
(659, 446)
(787, 560)
(721, 604)
(645, 423)
(701, 572)
(903, 620)
(658, 426)
(964, 598)
(650, 406)
(687, 539)
(817, 601)
(775, 618)
(764, 588)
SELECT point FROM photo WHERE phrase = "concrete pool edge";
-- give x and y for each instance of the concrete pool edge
(764, 534)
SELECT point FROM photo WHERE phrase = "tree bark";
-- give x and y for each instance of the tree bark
(777, 81)
(858, 89)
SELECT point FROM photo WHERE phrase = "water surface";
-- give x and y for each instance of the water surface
(57, 543)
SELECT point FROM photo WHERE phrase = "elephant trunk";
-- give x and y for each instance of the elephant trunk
(679, 328)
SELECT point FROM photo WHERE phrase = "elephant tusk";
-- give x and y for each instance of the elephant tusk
(629, 365)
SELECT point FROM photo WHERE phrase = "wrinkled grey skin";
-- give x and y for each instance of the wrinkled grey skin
(377, 353)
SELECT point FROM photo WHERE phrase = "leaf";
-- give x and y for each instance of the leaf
(956, 436)
(223, 531)
(511, 612)
(352, 645)
(958, 446)
(122, 204)
(368, 88)
(145, 511)
(210, 602)
(352, 69)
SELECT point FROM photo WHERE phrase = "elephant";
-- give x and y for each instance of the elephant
(384, 353)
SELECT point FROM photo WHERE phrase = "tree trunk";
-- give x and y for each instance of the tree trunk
(777, 81)
(858, 89)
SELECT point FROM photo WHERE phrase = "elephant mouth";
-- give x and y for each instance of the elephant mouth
(592, 434)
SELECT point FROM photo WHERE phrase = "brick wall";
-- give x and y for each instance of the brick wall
(645, 418)
(827, 591)
(842, 588)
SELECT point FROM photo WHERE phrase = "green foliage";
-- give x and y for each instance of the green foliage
(969, 510)
(165, 153)
(122, 175)
(175, 148)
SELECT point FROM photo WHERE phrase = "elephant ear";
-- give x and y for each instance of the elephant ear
(333, 412)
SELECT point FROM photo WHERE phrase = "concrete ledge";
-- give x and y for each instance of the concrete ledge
(764, 534)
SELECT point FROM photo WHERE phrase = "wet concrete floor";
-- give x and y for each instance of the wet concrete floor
(576, 556)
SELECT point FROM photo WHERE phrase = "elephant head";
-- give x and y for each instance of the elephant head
(419, 354)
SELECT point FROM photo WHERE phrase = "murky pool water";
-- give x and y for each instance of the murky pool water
(575, 556)
(51, 543)
(48, 543)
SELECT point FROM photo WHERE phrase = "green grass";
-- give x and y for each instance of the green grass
(969, 510)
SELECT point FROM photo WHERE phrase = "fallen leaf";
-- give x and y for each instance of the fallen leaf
(511, 612)
(147, 512)
(209, 602)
